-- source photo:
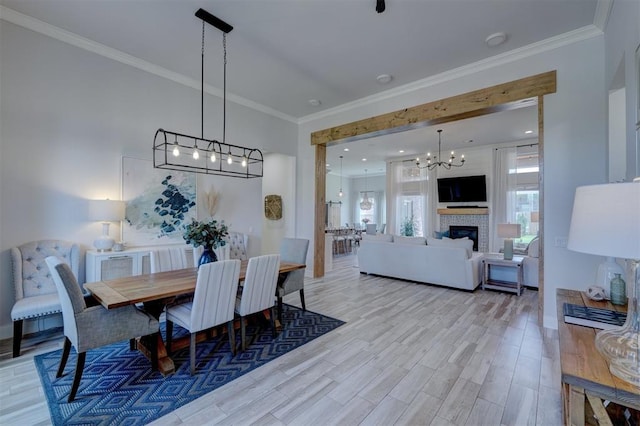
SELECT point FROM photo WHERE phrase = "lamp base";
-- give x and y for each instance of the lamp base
(508, 249)
(621, 346)
(104, 242)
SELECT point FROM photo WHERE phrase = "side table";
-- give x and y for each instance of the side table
(586, 379)
(497, 261)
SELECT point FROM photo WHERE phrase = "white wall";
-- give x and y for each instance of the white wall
(279, 179)
(622, 38)
(575, 151)
(67, 118)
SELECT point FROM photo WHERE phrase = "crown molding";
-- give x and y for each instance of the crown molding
(601, 17)
(36, 25)
(600, 20)
(533, 49)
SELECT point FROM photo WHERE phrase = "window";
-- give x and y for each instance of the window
(527, 196)
(412, 208)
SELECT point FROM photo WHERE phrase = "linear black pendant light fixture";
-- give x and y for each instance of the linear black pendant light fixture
(202, 155)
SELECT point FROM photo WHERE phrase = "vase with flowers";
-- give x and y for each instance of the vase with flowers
(210, 235)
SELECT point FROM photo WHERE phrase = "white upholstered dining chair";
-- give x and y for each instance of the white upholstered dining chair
(168, 259)
(235, 248)
(35, 292)
(258, 291)
(213, 304)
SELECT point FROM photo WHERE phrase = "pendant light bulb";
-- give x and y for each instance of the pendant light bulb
(176, 150)
(229, 159)
(196, 154)
(244, 161)
(213, 157)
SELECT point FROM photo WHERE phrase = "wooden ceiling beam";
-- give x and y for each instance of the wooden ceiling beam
(466, 105)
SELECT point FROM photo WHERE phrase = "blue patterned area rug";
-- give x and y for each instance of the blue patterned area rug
(118, 386)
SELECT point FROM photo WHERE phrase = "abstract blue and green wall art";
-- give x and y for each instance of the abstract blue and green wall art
(159, 203)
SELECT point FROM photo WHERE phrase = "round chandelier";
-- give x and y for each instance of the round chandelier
(365, 204)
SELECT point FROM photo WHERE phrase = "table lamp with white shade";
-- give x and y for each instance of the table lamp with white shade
(508, 231)
(606, 222)
(105, 211)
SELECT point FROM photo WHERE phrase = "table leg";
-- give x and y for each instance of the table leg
(165, 363)
(575, 409)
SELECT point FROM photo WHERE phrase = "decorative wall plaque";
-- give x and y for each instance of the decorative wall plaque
(273, 207)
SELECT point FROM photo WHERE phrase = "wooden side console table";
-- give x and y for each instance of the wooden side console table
(585, 373)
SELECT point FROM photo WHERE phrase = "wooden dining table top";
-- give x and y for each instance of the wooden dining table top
(160, 285)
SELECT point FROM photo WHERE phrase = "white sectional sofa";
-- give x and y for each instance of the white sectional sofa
(447, 264)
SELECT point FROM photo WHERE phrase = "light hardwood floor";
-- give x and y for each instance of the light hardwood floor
(408, 354)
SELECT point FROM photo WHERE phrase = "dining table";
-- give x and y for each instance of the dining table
(155, 291)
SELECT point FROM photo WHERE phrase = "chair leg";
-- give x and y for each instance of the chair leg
(242, 334)
(169, 336)
(17, 337)
(280, 309)
(192, 352)
(304, 307)
(232, 337)
(77, 376)
(65, 355)
(272, 320)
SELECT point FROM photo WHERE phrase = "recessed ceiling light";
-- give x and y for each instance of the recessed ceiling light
(364, 159)
(384, 78)
(401, 151)
(528, 132)
(496, 39)
(314, 102)
(346, 150)
(328, 164)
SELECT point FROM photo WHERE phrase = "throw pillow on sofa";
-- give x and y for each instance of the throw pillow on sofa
(409, 240)
(439, 235)
(465, 243)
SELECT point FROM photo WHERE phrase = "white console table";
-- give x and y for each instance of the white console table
(110, 265)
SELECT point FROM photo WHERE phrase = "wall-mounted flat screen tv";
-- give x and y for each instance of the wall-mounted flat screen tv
(462, 189)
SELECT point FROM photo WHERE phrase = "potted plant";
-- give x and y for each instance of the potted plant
(210, 235)
(408, 227)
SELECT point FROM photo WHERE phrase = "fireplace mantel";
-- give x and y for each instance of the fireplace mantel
(463, 211)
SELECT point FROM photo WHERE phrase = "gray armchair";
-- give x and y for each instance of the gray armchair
(292, 250)
(35, 291)
(92, 327)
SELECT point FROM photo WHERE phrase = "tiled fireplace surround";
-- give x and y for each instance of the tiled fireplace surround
(479, 220)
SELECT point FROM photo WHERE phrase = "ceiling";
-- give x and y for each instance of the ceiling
(283, 53)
